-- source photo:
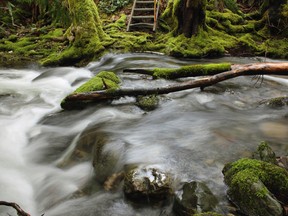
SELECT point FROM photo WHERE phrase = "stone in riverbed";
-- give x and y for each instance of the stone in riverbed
(147, 185)
(195, 197)
(256, 187)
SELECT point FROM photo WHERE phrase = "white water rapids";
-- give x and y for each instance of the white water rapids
(192, 134)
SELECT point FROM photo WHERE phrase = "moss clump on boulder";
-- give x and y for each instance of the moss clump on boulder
(256, 186)
(191, 70)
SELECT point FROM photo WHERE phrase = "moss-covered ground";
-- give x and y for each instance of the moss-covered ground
(226, 33)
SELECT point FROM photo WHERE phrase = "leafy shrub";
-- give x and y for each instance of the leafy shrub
(109, 6)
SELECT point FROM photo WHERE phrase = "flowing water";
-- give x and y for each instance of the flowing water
(192, 134)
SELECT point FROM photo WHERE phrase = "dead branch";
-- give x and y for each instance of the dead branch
(19, 210)
(236, 71)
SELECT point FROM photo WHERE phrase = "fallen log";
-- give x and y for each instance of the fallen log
(236, 71)
(185, 71)
(19, 210)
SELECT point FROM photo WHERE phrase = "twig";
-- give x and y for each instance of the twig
(19, 210)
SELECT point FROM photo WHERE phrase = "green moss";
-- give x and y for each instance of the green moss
(147, 103)
(278, 102)
(103, 80)
(265, 153)
(241, 175)
(191, 70)
(58, 32)
(227, 15)
(276, 48)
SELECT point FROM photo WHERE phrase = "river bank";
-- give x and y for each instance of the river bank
(227, 34)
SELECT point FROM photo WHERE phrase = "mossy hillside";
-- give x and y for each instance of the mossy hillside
(190, 70)
(241, 175)
(126, 41)
(31, 47)
(103, 80)
(86, 36)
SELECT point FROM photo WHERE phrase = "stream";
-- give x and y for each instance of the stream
(192, 134)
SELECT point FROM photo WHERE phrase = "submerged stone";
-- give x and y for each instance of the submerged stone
(265, 153)
(195, 197)
(277, 102)
(256, 187)
(147, 185)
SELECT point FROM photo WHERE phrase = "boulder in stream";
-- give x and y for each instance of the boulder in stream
(148, 185)
(265, 153)
(256, 187)
(194, 197)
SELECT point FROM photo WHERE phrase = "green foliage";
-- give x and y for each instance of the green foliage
(53, 11)
(109, 6)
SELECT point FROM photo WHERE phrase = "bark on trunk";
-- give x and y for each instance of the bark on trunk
(276, 22)
(185, 16)
(191, 16)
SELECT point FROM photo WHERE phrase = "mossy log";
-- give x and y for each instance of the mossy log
(236, 71)
(185, 71)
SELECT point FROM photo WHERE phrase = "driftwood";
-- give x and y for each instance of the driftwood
(236, 71)
(19, 210)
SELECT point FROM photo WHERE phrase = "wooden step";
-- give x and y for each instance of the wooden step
(142, 25)
(141, 14)
(143, 9)
(143, 17)
(144, 2)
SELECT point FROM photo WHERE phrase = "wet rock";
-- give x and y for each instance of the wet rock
(195, 197)
(282, 161)
(256, 187)
(107, 155)
(277, 102)
(147, 103)
(265, 153)
(147, 185)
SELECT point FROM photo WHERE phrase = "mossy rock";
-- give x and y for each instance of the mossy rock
(147, 103)
(195, 197)
(256, 187)
(265, 153)
(277, 102)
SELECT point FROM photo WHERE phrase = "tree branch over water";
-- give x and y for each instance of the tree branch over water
(236, 71)
(19, 210)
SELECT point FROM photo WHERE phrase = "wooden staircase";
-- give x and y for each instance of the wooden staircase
(144, 14)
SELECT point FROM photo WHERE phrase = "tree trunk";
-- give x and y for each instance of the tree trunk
(85, 35)
(185, 16)
(276, 21)
(191, 16)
